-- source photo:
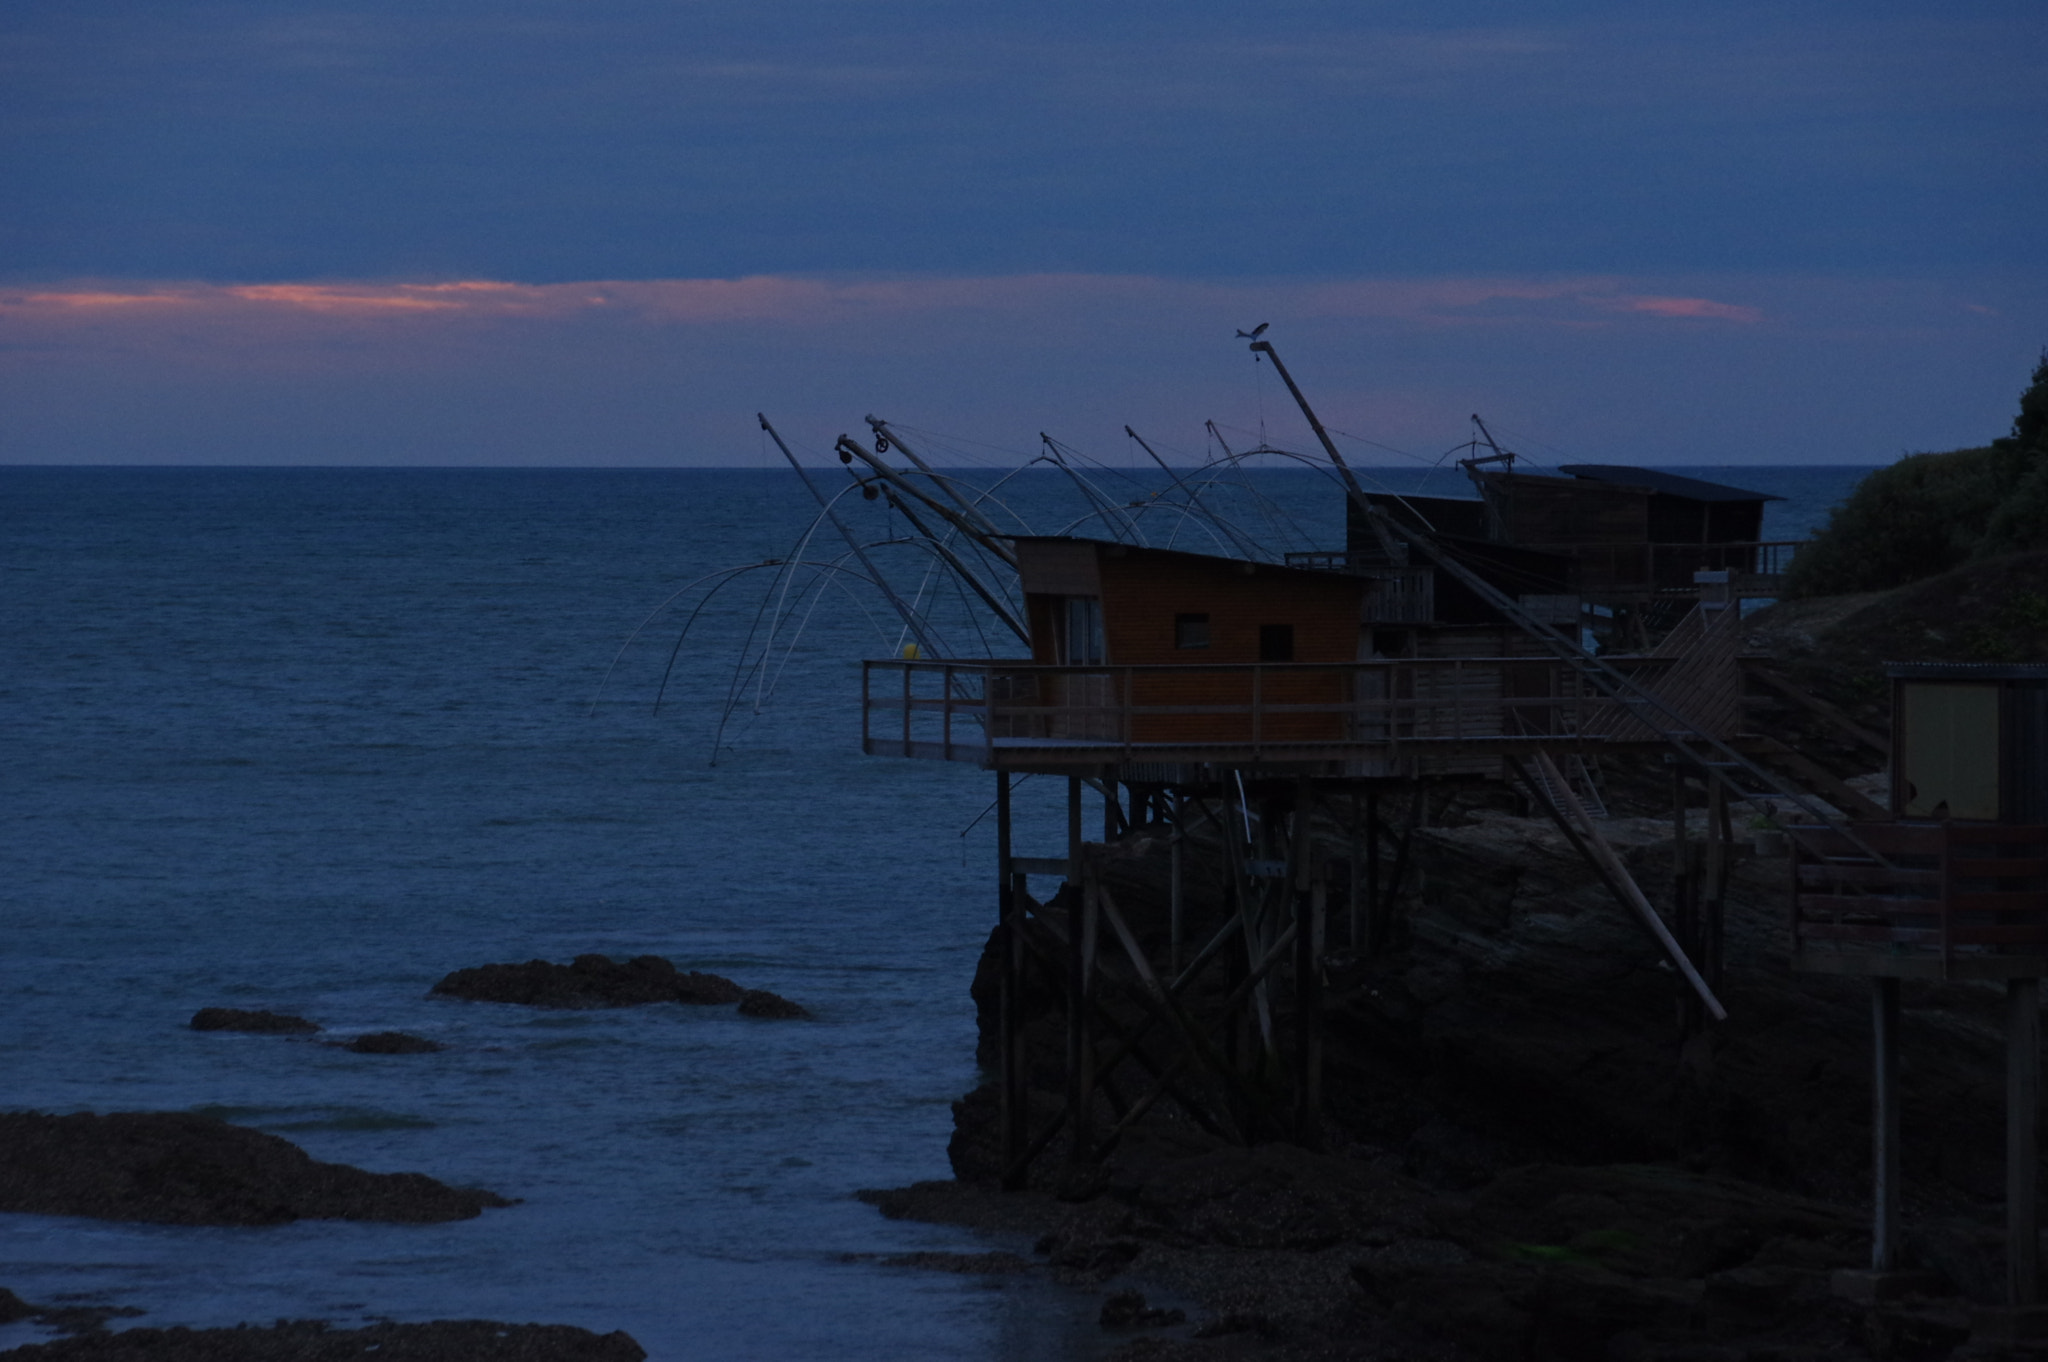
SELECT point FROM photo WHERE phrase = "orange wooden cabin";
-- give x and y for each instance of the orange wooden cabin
(1257, 641)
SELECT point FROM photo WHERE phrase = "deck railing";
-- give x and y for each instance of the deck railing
(969, 711)
(1666, 567)
(1949, 900)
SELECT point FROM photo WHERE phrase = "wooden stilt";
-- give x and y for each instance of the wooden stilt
(1010, 1029)
(1713, 908)
(1375, 909)
(1175, 856)
(1884, 1125)
(2022, 1141)
(1080, 1088)
(1354, 899)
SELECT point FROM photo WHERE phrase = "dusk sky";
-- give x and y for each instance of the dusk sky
(607, 233)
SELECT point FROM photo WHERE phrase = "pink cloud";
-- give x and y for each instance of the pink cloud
(809, 301)
(1691, 307)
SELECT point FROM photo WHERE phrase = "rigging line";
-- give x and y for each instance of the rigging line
(954, 441)
(992, 806)
(1120, 471)
(1089, 493)
(924, 584)
(1192, 496)
(606, 678)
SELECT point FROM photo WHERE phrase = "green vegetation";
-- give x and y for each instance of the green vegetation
(1928, 513)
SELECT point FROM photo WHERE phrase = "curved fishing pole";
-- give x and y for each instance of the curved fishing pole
(763, 694)
(1201, 516)
(742, 671)
(733, 575)
(722, 572)
(1271, 508)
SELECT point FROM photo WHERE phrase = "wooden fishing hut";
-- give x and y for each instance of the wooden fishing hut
(1952, 884)
(1277, 705)
(1632, 547)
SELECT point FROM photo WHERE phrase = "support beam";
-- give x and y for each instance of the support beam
(1884, 1126)
(2022, 1141)
(1080, 1059)
(1618, 878)
(1175, 856)
(1010, 1020)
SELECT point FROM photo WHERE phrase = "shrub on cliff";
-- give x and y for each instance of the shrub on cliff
(1928, 513)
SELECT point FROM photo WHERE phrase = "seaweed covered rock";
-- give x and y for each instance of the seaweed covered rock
(177, 1168)
(588, 981)
(239, 1019)
(470, 1340)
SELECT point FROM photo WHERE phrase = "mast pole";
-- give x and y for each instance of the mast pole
(911, 619)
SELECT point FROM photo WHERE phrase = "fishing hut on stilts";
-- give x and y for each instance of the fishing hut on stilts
(1279, 725)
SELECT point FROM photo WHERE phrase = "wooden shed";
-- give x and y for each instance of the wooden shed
(1207, 635)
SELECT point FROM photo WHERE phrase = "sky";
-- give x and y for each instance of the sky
(607, 232)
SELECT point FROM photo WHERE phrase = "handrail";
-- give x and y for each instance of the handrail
(1259, 706)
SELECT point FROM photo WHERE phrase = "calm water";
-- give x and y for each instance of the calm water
(309, 739)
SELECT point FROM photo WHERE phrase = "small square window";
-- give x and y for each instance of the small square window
(1190, 631)
(1276, 643)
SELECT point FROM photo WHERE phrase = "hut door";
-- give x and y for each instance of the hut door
(1089, 701)
(1949, 765)
(1081, 638)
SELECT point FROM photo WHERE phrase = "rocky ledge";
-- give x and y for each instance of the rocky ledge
(176, 1168)
(591, 981)
(264, 1023)
(464, 1340)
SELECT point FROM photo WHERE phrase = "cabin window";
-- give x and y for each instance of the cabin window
(1276, 643)
(1190, 631)
(1082, 635)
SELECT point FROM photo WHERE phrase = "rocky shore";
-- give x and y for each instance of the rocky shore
(177, 1168)
(466, 1340)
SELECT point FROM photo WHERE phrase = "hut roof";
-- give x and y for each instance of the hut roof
(1657, 480)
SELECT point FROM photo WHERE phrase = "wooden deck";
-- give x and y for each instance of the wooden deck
(1392, 718)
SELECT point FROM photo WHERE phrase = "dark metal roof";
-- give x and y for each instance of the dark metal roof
(1966, 671)
(1657, 480)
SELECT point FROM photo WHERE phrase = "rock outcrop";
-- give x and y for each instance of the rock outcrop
(589, 981)
(759, 1002)
(177, 1168)
(237, 1019)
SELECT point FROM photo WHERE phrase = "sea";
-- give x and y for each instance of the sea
(307, 739)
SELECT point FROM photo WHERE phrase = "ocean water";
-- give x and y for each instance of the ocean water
(309, 739)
